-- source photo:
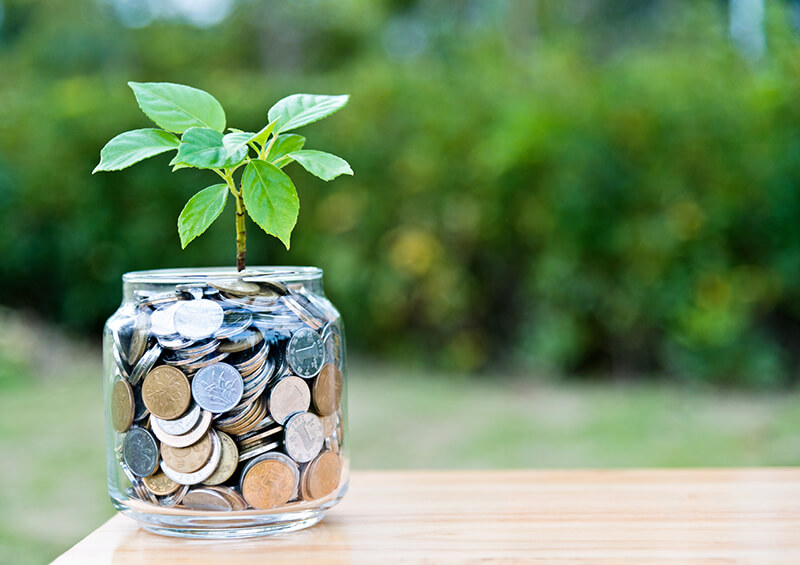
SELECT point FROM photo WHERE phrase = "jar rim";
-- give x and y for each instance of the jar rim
(284, 274)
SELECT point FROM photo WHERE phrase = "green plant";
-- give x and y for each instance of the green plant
(264, 191)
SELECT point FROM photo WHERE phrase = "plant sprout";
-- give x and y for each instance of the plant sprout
(264, 191)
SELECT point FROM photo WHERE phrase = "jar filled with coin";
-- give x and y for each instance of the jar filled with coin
(225, 403)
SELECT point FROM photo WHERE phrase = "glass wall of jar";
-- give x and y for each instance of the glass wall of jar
(225, 401)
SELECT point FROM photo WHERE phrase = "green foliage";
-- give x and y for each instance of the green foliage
(270, 199)
(267, 193)
(201, 211)
(130, 147)
(615, 193)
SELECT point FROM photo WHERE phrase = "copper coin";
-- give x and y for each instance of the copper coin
(166, 392)
(322, 476)
(328, 390)
(123, 405)
(188, 459)
(160, 484)
(207, 499)
(227, 463)
(270, 482)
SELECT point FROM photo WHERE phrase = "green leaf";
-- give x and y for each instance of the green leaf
(236, 141)
(133, 146)
(299, 110)
(270, 199)
(203, 148)
(176, 107)
(201, 211)
(324, 165)
(285, 144)
(262, 136)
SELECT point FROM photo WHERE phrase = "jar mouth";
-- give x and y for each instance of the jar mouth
(284, 274)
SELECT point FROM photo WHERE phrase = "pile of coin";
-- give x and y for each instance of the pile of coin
(227, 395)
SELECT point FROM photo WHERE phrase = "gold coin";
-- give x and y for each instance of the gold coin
(123, 405)
(166, 392)
(160, 484)
(328, 389)
(268, 484)
(188, 459)
(322, 476)
(237, 287)
(227, 463)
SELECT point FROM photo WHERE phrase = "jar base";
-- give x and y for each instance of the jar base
(232, 532)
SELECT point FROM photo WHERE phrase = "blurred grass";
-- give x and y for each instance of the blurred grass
(51, 430)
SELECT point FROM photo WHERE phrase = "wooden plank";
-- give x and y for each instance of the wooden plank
(632, 516)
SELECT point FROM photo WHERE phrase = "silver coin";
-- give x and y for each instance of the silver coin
(140, 452)
(205, 471)
(206, 499)
(289, 396)
(217, 388)
(305, 353)
(236, 287)
(241, 341)
(235, 321)
(122, 366)
(187, 439)
(197, 319)
(182, 424)
(257, 450)
(332, 343)
(304, 437)
(140, 411)
(174, 498)
(162, 321)
(139, 337)
(146, 363)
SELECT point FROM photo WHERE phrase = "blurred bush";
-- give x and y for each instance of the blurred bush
(607, 187)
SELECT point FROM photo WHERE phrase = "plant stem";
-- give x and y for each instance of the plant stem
(241, 231)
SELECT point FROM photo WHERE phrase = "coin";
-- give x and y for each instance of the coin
(166, 392)
(202, 474)
(289, 396)
(328, 390)
(176, 497)
(305, 352)
(196, 319)
(269, 481)
(140, 452)
(321, 476)
(145, 364)
(237, 502)
(235, 321)
(332, 342)
(160, 484)
(123, 405)
(241, 341)
(237, 287)
(206, 499)
(188, 459)
(227, 463)
(304, 436)
(186, 439)
(139, 337)
(217, 388)
(182, 424)
(162, 320)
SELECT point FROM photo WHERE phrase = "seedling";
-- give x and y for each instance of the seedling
(263, 190)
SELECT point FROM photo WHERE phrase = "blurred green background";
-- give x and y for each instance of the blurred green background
(572, 239)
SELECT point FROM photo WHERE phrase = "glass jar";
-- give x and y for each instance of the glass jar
(224, 399)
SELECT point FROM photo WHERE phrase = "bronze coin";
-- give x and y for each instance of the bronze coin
(328, 390)
(270, 482)
(123, 405)
(227, 463)
(166, 392)
(160, 484)
(188, 459)
(322, 476)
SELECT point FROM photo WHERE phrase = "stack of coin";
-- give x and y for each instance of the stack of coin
(227, 395)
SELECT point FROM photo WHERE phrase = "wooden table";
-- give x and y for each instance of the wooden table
(698, 516)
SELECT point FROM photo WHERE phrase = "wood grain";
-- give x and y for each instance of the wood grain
(633, 516)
